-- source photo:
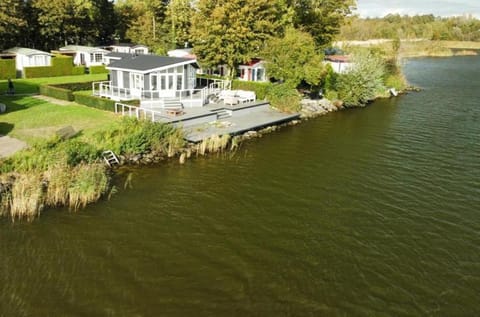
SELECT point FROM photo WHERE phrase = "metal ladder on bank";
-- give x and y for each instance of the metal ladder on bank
(110, 158)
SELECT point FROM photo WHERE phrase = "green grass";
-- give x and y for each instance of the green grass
(31, 119)
(31, 86)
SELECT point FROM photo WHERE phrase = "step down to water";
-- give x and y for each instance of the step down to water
(110, 158)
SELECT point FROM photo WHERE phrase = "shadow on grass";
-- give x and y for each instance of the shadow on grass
(5, 128)
(21, 87)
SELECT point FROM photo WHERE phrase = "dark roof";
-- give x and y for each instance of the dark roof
(147, 62)
(118, 55)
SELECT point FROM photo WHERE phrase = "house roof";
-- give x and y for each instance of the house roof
(25, 51)
(145, 63)
(127, 45)
(338, 58)
(82, 48)
(117, 55)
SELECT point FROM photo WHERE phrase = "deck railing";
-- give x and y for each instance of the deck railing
(140, 113)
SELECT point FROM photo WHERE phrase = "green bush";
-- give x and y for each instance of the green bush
(94, 102)
(284, 98)
(37, 71)
(56, 92)
(80, 152)
(260, 88)
(98, 69)
(78, 70)
(7, 69)
(77, 86)
(62, 65)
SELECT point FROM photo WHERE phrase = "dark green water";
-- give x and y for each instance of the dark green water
(371, 212)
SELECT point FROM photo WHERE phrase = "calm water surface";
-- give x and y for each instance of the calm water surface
(359, 213)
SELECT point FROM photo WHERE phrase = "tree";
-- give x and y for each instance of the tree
(293, 58)
(141, 22)
(233, 32)
(321, 18)
(363, 81)
(12, 22)
(62, 22)
(178, 22)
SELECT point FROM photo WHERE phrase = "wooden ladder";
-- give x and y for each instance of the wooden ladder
(110, 158)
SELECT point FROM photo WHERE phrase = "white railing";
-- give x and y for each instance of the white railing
(140, 113)
(105, 89)
(192, 96)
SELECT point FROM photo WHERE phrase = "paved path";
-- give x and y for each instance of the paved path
(9, 146)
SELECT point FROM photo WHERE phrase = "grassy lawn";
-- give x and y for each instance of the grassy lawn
(31, 119)
(30, 86)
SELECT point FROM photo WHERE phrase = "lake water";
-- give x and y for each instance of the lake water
(364, 212)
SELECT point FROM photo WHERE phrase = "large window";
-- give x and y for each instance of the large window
(96, 57)
(169, 79)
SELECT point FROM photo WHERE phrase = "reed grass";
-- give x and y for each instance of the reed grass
(89, 183)
(26, 196)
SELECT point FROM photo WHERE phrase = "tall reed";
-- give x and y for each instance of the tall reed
(90, 182)
(26, 196)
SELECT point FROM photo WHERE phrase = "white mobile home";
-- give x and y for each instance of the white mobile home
(27, 57)
(84, 55)
(129, 48)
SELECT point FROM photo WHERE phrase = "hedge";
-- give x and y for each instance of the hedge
(260, 88)
(94, 102)
(61, 66)
(78, 70)
(7, 69)
(37, 72)
(76, 86)
(98, 70)
(56, 92)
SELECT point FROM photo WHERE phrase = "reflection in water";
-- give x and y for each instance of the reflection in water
(357, 213)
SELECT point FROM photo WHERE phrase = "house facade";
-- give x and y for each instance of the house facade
(27, 57)
(253, 71)
(151, 78)
(340, 63)
(129, 48)
(84, 55)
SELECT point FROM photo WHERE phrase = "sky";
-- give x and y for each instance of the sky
(380, 8)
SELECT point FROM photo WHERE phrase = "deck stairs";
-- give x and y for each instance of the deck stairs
(223, 113)
(110, 158)
(172, 103)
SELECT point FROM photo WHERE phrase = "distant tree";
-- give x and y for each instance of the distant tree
(293, 58)
(178, 22)
(12, 22)
(321, 18)
(63, 22)
(233, 32)
(141, 22)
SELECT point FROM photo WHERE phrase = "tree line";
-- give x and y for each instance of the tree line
(429, 27)
(222, 32)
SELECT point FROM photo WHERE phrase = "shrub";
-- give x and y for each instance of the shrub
(284, 97)
(78, 70)
(62, 65)
(98, 69)
(260, 88)
(7, 69)
(76, 86)
(56, 92)
(94, 102)
(80, 152)
(37, 72)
